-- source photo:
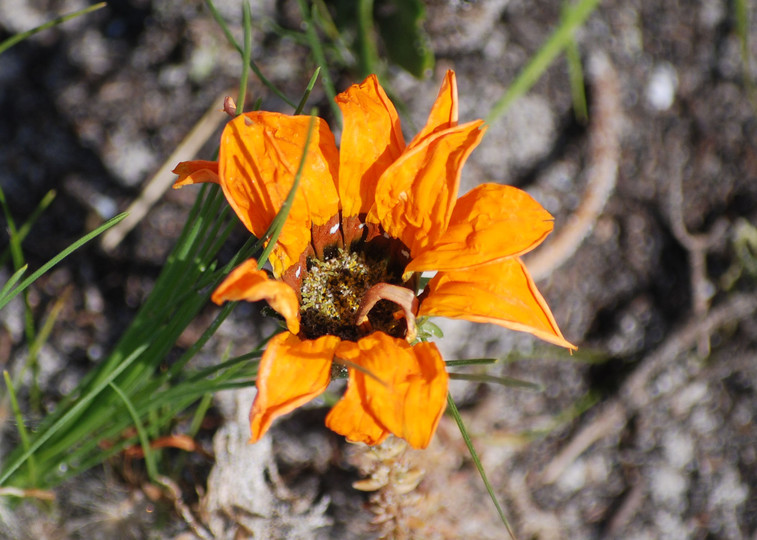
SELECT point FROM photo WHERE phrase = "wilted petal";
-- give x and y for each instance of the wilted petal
(350, 418)
(246, 282)
(502, 293)
(291, 373)
(489, 223)
(196, 172)
(371, 141)
(258, 160)
(416, 194)
(403, 388)
(444, 111)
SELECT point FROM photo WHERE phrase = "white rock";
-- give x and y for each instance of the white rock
(661, 87)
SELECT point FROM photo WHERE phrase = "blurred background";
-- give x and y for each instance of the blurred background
(647, 432)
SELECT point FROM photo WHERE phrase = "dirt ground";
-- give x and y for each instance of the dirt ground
(647, 432)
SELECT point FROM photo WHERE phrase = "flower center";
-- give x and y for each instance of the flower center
(332, 290)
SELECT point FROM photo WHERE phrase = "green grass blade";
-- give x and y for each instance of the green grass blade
(308, 90)
(326, 21)
(224, 27)
(62, 255)
(78, 407)
(274, 231)
(199, 414)
(574, 17)
(564, 417)
(577, 87)
(226, 364)
(471, 362)
(474, 455)
(320, 59)
(144, 440)
(246, 53)
(15, 242)
(12, 281)
(17, 254)
(22, 433)
(72, 434)
(11, 41)
(235, 373)
(197, 345)
(503, 381)
(741, 18)
(23, 231)
(367, 52)
(32, 359)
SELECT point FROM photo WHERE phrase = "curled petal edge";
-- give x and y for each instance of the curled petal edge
(196, 172)
(490, 223)
(406, 396)
(501, 293)
(291, 373)
(248, 283)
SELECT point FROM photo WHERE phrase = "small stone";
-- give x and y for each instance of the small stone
(661, 87)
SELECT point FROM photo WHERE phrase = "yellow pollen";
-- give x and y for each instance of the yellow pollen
(332, 290)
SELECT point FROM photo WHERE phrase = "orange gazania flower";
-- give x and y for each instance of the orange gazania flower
(366, 221)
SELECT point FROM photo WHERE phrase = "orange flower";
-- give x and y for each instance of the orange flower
(365, 222)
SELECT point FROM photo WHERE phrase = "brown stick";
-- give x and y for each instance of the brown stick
(164, 178)
(601, 175)
(633, 394)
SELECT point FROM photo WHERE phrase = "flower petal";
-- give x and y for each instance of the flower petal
(489, 223)
(444, 111)
(371, 141)
(416, 194)
(350, 418)
(246, 282)
(258, 160)
(196, 172)
(402, 387)
(502, 293)
(291, 373)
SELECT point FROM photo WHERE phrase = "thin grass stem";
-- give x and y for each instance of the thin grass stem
(18, 274)
(246, 53)
(23, 231)
(62, 255)
(11, 41)
(577, 86)
(573, 17)
(277, 225)
(471, 362)
(308, 90)
(83, 402)
(22, 433)
(199, 414)
(225, 28)
(35, 393)
(474, 455)
(368, 55)
(320, 59)
(144, 441)
(503, 381)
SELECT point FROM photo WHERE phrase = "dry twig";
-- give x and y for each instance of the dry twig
(164, 178)
(696, 245)
(633, 394)
(601, 176)
(41, 494)
(182, 509)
